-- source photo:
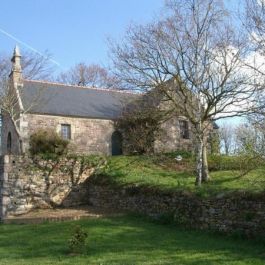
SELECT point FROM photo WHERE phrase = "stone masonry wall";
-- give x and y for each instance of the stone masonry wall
(226, 213)
(87, 135)
(26, 184)
(93, 136)
(171, 140)
(8, 127)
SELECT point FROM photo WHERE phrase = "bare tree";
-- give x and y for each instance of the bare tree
(34, 66)
(140, 124)
(226, 132)
(254, 22)
(88, 75)
(10, 104)
(195, 59)
(250, 139)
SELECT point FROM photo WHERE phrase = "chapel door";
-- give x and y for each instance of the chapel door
(116, 143)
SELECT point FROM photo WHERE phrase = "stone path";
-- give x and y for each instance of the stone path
(60, 214)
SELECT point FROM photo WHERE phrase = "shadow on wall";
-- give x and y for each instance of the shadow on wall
(27, 184)
(1, 186)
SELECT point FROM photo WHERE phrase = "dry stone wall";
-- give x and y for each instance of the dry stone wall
(26, 184)
(238, 212)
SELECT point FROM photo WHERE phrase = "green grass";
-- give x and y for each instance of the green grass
(160, 173)
(124, 240)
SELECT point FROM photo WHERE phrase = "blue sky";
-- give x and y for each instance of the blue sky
(74, 31)
(71, 30)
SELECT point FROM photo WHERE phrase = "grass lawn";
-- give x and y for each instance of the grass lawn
(124, 240)
(150, 171)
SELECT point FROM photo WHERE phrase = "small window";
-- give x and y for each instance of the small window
(9, 143)
(184, 129)
(66, 131)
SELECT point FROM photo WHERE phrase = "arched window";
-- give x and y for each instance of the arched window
(116, 143)
(9, 143)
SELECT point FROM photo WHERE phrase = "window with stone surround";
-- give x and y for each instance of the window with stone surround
(184, 129)
(9, 143)
(66, 131)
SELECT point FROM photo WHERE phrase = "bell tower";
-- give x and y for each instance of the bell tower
(16, 72)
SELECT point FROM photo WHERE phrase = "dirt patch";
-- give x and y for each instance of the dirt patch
(61, 214)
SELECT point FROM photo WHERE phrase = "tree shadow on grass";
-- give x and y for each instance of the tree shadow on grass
(237, 183)
(175, 246)
(124, 174)
(126, 240)
(135, 159)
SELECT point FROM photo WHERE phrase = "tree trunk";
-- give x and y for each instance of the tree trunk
(205, 170)
(199, 158)
(226, 149)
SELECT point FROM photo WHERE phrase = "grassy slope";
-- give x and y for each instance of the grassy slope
(150, 171)
(124, 240)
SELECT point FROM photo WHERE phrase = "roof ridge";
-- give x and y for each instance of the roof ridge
(84, 87)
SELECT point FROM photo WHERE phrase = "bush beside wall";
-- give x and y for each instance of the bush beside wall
(28, 183)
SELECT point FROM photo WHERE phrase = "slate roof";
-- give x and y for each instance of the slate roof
(66, 100)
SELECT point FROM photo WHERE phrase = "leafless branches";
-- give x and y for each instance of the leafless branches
(226, 132)
(34, 66)
(196, 59)
(88, 75)
(254, 21)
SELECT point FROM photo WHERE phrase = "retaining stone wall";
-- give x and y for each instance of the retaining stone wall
(26, 184)
(237, 212)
